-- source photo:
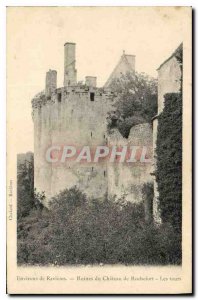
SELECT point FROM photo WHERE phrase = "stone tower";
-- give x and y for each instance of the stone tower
(70, 72)
(76, 115)
(50, 82)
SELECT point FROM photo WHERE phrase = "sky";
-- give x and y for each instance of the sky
(35, 44)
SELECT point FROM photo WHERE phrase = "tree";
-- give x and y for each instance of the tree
(136, 101)
(25, 187)
(27, 197)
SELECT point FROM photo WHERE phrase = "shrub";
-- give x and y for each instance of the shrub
(78, 231)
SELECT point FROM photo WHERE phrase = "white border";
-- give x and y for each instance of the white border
(3, 4)
(99, 3)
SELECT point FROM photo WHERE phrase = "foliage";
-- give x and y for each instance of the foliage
(27, 197)
(169, 160)
(25, 187)
(77, 231)
(29, 204)
(147, 196)
(136, 101)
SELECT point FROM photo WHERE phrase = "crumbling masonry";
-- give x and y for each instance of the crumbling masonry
(76, 114)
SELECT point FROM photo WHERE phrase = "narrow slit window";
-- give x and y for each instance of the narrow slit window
(104, 173)
(59, 97)
(92, 96)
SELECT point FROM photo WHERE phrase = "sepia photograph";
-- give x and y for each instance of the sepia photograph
(99, 145)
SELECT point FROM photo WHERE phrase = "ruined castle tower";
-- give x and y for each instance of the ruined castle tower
(70, 115)
(70, 72)
(76, 114)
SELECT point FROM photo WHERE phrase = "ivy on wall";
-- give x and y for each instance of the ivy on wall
(169, 154)
(169, 162)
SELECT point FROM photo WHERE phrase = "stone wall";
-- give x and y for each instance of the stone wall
(125, 180)
(73, 116)
(156, 212)
(169, 75)
(76, 115)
